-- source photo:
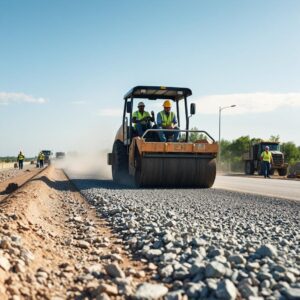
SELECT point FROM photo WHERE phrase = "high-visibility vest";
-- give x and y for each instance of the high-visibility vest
(166, 120)
(139, 116)
(21, 157)
(41, 156)
(266, 156)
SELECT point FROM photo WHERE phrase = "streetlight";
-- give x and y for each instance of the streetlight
(220, 110)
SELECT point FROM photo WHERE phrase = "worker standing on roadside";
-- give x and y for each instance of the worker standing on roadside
(166, 119)
(20, 159)
(141, 119)
(266, 158)
(41, 159)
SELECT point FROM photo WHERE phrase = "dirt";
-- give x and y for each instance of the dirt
(54, 246)
(15, 178)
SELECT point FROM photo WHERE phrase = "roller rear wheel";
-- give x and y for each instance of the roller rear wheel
(120, 162)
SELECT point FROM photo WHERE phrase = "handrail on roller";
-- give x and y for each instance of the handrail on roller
(176, 130)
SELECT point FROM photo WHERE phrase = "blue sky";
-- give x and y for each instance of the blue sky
(65, 66)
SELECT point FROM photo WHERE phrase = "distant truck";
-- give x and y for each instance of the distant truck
(48, 156)
(253, 163)
(60, 155)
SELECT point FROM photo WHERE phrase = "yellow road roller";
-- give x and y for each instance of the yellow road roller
(147, 160)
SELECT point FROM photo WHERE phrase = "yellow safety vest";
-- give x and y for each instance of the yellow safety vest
(139, 116)
(21, 157)
(41, 157)
(266, 156)
(166, 120)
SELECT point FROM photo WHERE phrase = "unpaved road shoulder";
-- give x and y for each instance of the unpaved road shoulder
(15, 179)
(54, 246)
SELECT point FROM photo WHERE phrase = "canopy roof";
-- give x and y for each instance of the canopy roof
(158, 92)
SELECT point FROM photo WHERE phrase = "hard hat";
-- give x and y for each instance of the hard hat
(267, 148)
(167, 103)
(141, 104)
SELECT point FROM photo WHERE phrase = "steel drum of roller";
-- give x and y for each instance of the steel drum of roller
(175, 171)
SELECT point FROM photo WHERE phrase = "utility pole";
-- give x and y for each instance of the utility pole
(220, 113)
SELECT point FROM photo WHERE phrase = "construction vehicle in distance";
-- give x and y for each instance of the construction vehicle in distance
(151, 163)
(48, 156)
(253, 163)
(60, 155)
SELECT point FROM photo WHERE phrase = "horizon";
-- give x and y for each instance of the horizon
(66, 66)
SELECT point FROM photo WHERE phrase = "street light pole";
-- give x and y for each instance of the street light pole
(220, 112)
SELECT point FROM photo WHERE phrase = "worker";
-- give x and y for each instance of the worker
(166, 119)
(141, 119)
(41, 159)
(20, 159)
(266, 159)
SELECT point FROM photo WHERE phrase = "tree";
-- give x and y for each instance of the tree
(274, 138)
(194, 136)
(240, 145)
(291, 152)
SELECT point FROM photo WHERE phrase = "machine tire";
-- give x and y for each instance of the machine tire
(282, 172)
(120, 162)
(249, 167)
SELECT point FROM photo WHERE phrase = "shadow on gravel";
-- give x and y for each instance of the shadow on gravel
(83, 184)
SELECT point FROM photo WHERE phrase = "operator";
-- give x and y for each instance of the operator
(266, 158)
(20, 159)
(141, 119)
(166, 119)
(41, 159)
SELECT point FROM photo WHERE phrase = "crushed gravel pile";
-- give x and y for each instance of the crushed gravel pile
(211, 244)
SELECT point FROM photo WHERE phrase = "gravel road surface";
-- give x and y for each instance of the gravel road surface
(214, 243)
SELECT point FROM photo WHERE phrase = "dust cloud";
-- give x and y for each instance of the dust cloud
(86, 165)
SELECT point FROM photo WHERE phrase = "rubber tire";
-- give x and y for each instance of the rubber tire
(249, 167)
(282, 172)
(119, 163)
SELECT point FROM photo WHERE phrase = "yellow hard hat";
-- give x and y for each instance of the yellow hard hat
(167, 103)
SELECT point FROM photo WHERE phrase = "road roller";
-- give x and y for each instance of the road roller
(146, 161)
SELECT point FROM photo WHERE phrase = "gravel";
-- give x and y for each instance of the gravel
(206, 243)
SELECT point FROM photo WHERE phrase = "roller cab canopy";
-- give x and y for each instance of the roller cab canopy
(158, 92)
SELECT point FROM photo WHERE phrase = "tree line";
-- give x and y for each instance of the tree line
(232, 151)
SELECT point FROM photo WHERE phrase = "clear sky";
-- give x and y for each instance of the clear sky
(65, 66)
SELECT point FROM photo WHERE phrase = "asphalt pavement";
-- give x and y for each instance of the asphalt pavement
(274, 187)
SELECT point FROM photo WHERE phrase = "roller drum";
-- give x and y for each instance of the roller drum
(176, 172)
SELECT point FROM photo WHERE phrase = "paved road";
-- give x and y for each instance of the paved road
(257, 185)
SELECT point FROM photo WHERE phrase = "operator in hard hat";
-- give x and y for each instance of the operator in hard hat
(166, 119)
(266, 159)
(20, 159)
(141, 119)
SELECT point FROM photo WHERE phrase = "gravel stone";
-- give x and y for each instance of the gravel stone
(267, 251)
(292, 293)
(215, 270)
(150, 291)
(114, 271)
(4, 263)
(226, 290)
